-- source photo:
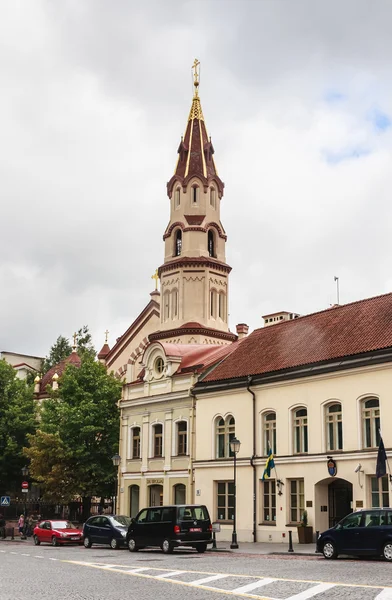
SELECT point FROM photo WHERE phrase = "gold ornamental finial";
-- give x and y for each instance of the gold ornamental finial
(196, 75)
(156, 277)
(106, 336)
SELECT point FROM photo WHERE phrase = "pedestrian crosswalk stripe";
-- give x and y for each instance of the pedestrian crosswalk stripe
(207, 579)
(253, 585)
(170, 574)
(322, 587)
(386, 594)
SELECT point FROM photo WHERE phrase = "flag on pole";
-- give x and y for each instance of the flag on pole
(381, 466)
(269, 464)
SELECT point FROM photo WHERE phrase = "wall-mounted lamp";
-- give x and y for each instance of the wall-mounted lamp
(358, 469)
(280, 485)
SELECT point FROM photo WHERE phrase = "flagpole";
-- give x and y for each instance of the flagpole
(279, 482)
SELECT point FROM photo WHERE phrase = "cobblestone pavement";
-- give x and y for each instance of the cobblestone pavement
(77, 573)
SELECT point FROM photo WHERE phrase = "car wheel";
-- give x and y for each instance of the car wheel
(329, 550)
(55, 541)
(36, 541)
(387, 551)
(114, 544)
(132, 545)
(167, 547)
(201, 548)
(87, 543)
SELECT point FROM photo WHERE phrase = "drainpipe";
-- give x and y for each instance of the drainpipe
(192, 449)
(252, 460)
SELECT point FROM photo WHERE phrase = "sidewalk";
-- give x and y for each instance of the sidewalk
(244, 547)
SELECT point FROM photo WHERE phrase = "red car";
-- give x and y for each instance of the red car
(57, 532)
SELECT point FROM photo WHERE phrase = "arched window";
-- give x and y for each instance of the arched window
(177, 198)
(300, 430)
(179, 493)
(371, 423)
(157, 440)
(174, 307)
(211, 243)
(269, 433)
(178, 242)
(166, 305)
(195, 194)
(182, 441)
(221, 305)
(225, 431)
(135, 442)
(213, 295)
(133, 500)
(334, 426)
(212, 197)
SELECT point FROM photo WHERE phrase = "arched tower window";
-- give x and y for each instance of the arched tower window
(174, 307)
(195, 194)
(221, 305)
(166, 305)
(211, 243)
(177, 198)
(212, 197)
(178, 243)
(213, 294)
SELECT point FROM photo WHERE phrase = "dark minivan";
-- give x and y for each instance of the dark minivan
(364, 532)
(169, 527)
(106, 529)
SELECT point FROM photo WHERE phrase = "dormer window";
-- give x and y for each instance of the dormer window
(195, 194)
(178, 243)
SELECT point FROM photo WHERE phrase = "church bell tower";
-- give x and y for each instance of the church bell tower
(194, 276)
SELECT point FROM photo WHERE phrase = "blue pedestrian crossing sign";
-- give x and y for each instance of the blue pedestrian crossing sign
(5, 501)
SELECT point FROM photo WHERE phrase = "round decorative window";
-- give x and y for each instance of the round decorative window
(159, 365)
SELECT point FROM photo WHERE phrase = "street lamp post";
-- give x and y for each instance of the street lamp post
(235, 448)
(25, 472)
(116, 463)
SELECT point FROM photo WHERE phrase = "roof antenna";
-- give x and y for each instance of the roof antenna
(337, 287)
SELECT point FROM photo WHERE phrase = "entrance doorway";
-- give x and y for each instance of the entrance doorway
(156, 495)
(340, 498)
(134, 500)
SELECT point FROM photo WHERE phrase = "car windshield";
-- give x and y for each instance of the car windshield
(62, 525)
(121, 521)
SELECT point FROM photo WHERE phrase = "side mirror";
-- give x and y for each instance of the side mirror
(133, 521)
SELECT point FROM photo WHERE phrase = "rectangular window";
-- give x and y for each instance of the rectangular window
(157, 440)
(182, 438)
(379, 492)
(136, 442)
(225, 501)
(269, 501)
(297, 500)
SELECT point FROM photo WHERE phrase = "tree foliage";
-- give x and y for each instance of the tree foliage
(78, 434)
(17, 420)
(63, 348)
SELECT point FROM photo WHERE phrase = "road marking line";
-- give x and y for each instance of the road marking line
(138, 570)
(13, 552)
(25, 554)
(171, 574)
(386, 594)
(318, 589)
(254, 585)
(36, 556)
(2, 550)
(207, 579)
(52, 558)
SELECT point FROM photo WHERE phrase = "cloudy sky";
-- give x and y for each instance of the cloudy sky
(297, 95)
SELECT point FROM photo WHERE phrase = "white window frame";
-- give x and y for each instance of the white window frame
(300, 494)
(335, 420)
(151, 441)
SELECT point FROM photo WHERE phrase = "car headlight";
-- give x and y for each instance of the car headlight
(63, 535)
(124, 533)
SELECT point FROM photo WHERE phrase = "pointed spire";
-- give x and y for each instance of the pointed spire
(74, 346)
(105, 349)
(195, 150)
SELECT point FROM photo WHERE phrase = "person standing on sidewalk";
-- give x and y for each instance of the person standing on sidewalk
(2, 527)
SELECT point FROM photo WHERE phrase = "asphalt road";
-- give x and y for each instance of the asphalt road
(75, 573)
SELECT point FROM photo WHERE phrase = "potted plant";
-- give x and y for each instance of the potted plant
(305, 531)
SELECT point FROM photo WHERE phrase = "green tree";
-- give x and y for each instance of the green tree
(63, 348)
(17, 420)
(81, 419)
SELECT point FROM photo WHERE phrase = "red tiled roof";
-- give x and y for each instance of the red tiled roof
(104, 351)
(72, 359)
(356, 328)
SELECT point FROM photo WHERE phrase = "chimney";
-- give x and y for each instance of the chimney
(242, 330)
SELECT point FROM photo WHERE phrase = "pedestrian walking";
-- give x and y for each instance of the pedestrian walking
(21, 523)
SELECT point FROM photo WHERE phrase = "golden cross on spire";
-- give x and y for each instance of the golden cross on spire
(106, 336)
(196, 74)
(74, 342)
(156, 277)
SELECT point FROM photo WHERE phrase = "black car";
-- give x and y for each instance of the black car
(106, 529)
(364, 532)
(169, 527)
